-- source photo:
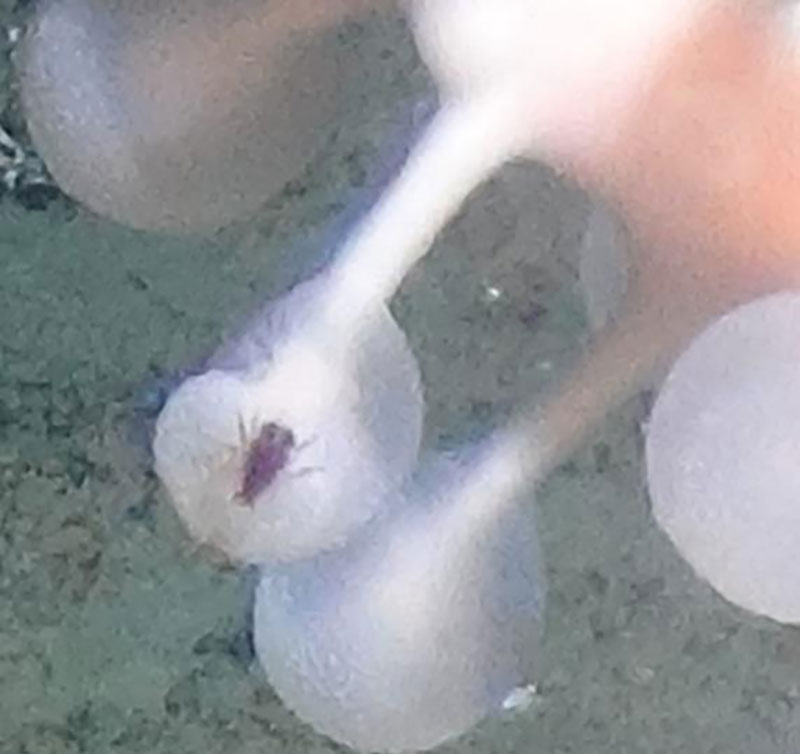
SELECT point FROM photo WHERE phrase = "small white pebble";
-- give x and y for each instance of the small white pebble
(14, 33)
(520, 698)
(642, 674)
(492, 293)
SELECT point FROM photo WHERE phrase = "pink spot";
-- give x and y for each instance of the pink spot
(267, 455)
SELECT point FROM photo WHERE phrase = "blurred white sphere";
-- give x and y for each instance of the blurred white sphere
(723, 456)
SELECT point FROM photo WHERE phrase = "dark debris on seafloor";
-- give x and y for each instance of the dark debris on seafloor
(24, 179)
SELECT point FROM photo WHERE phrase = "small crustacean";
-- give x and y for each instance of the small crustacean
(267, 454)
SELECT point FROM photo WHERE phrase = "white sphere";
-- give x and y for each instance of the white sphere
(351, 406)
(423, 624)
(723, 456)
(181, 114)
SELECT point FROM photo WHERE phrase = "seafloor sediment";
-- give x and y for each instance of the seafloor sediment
(115, 636)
